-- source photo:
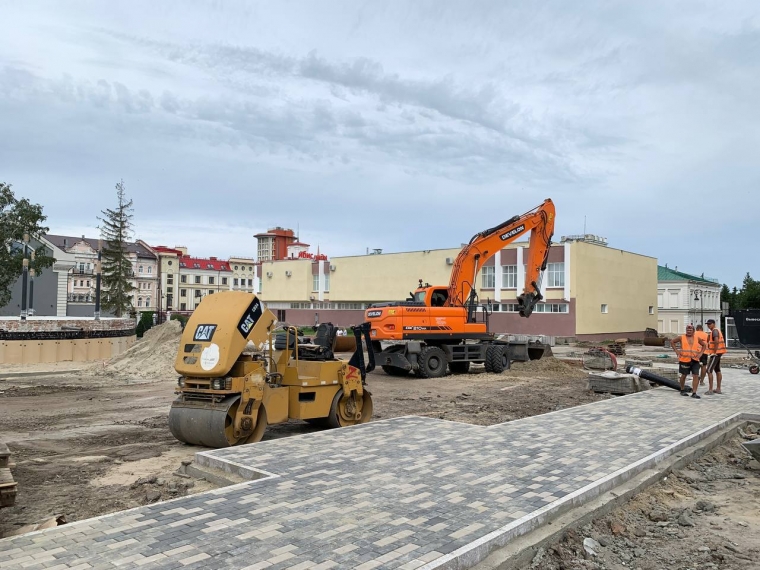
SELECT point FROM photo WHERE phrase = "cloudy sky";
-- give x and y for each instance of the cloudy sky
(391, 124)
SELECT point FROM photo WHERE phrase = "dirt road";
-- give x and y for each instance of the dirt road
(89, 444)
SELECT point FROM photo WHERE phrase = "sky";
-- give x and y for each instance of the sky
(396, 125)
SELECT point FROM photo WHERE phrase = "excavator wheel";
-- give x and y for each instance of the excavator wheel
(459, 367)
(432, 362)
(211, 425)
(497, 359)
(395, 370)
(344, 411)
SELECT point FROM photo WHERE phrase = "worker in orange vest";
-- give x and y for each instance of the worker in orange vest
(716, 348)
(689, 351)
(702, 335)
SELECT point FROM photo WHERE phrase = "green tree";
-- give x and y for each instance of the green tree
(749, 296)
(117, 270)
(725, 296)
(18, 217)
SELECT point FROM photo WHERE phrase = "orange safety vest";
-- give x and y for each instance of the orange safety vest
(689, 350)
(702, 335)
(717, 346)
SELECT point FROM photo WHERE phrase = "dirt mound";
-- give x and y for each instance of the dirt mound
(151, 357)
(547, 365)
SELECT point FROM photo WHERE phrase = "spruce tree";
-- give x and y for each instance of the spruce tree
(116, 268)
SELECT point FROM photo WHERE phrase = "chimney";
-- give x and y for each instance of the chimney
(65, 243)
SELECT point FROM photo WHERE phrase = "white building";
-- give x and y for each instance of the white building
(684, 299)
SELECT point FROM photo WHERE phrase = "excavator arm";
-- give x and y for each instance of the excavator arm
(484, 245)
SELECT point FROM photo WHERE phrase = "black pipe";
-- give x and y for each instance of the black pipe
(631, 369)
(97, 286)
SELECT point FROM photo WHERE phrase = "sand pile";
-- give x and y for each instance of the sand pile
(151, 357)
(546, 365)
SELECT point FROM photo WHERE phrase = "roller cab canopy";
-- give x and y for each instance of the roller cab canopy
(218, 331)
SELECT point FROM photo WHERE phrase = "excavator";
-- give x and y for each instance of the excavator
(438, 325)
(238, 375)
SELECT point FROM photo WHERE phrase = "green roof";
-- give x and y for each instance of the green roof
(667, 274)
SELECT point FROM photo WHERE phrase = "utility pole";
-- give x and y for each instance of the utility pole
(31, 286)
(97, 283)
(24, 279)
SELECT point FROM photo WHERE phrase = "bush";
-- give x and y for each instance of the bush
(140, 329)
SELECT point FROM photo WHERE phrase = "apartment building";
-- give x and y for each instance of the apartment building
(243, 274)
(685, 299)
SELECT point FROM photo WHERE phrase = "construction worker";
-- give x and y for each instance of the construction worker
(716, 348)
(702, 335)
(689, 351)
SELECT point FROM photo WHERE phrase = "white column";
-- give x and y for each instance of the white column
(497, 277)
(566, 292)
(520, 270)
(321, 270)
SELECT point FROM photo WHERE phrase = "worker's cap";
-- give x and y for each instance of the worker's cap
(710, 321)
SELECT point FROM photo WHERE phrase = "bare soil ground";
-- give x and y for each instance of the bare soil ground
(97, 441)
(704, 516)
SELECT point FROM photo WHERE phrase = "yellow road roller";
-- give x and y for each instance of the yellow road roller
(228, 392)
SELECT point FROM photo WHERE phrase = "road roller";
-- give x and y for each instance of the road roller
(234, 382)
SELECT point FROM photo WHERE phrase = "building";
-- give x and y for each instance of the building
(592, 291)
(197, 277)
(273, 244)
(244, 276)
(168, 269)
(79, 255)
(49, 289)
(684, 299)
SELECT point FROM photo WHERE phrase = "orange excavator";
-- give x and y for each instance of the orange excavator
(438, 326)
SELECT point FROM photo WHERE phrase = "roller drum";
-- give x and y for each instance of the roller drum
(204, 423)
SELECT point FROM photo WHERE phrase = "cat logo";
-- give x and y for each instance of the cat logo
(204, 333)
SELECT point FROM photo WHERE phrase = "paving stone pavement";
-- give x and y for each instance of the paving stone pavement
(406, 493)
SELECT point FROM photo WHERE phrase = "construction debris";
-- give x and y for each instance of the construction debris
(611, 382)
(7, 484)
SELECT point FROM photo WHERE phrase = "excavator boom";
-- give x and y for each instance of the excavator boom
(484, 245)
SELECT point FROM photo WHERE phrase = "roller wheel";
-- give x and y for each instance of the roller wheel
(754, 369)
(497, 359)
(432, 362)
(395, 371)
(344, 411)
(211, 425)
(459, 367)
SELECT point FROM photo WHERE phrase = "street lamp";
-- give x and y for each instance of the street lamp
(24, 279)
(31, 286)
(698, 296)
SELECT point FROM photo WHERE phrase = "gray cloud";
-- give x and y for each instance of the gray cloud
(449, 117)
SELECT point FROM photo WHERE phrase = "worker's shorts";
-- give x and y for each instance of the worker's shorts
(686, 368)
(703, 359)
(713, 364)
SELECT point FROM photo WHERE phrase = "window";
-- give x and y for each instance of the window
(149, 284)
(210, 291)
(509, 276)
(660, 300)
(651, 310)
(139, 302)
(604, 308)
(556, 274)
(235, 282)
(182, 264)
(197, 293)
(327, 282)
(88, 283)
(197, 279)
(150, 269)
(210, 280)
(183, 292)
(169, 262)
(489, 277)
(250, 282)
(183, 278)
(315, 282)
(197, 265)
(183, 306)
(224, 281)
(147, 302)
(140, 269)
(236, 268)
(509, 307)
(223, 267)
(170, 289)
(170, 278)
(552, 308)
(81, 283)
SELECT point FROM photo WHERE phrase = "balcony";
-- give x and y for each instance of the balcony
(80, 298)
